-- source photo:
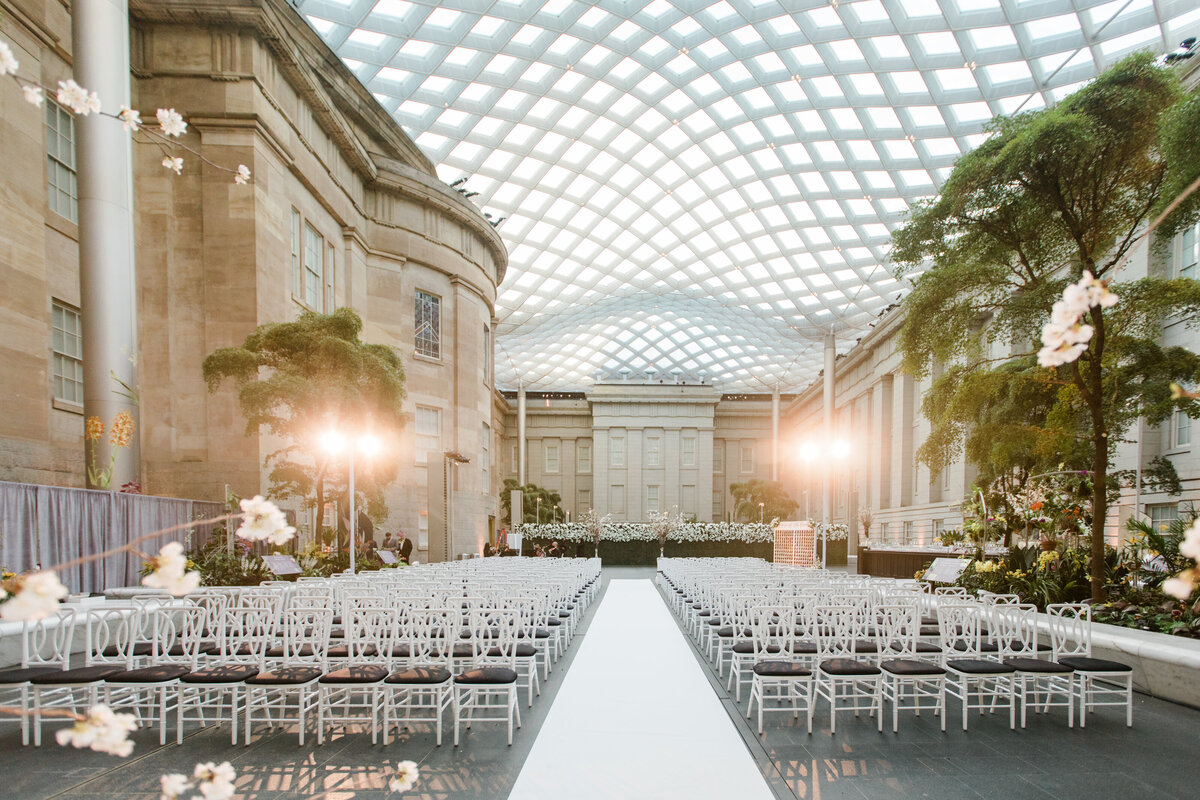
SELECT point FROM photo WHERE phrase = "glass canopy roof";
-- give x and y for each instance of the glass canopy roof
(698, 190)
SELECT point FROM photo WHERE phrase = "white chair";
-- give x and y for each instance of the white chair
(1101, 682)
(419, 688)
(290, 684)
(45, 650)
(978, 682)
(847, 682)
(776, 675)
(910, 683)
(351, 694)
(490, 684)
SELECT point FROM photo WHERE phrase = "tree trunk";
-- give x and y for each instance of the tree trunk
(1099, 505)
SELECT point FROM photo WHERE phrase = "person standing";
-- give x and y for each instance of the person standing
(404, 547)
(387, 541)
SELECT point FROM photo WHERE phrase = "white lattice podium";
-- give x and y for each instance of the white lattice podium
(795, 543)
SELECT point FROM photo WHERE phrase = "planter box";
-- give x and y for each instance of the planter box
(837, 554)
(645, 553)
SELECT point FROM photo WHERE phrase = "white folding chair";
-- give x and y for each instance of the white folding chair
(1101, 682)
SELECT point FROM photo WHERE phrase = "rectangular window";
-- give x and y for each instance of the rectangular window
(747, 457)
(687, 500)
(653, 451)
(487, 356)
(297, 256)
(330, 272)
(428, 314)
(583, 501)
(718, 508)
(67, 344)
(945, 479)
(314, 268)
(718, 457)
(485, 450)
(1181, 428)
(429, 433)
(1188, 255)
(908, 531)
(652, 495)
(939, 527)
(616, 452)
(688, 449)
(583, 457)
(423, 530)
(616, 499)
(551, 463)
(883, 532)
(62, 183)
(1162, 514)
(513, 456)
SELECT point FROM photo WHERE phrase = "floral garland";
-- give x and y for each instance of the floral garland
(834, 531)
(750, 533)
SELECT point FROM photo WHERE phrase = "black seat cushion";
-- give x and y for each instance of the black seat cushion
(522, 649)
(92, 674)
(159, 674)
(984, 647)
(343, 651)
(865, 646)
(461, 650)
(24, 674)
(705, 613)
(1087, 664)
(978, 666)
(358, 673)
(221, 673)
(285, 676)
(422, 675)
(1024, 664)
(911, 666)
(848, 666)
(748, 647)
(140, 649)
(204, 649)
(727, 632)
(488, 675)
(920, 647)
(400, 651)
(781, 669)
(804, 647)
(554, 622)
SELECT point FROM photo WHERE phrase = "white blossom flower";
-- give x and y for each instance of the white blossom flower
(131, 118)
(77, 98)
(34, 596)
(243, 174)
(175, 164)
(171, 572)
(215, 781)
(173, 785)
(1190, 546)
(170, 122)
(8, 62)
(263, 521)
(101, 730)
(34, 95)
(405, 778)
(1179, 587)
(1065, 336)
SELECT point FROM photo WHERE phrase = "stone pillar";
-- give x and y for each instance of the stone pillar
(775, 434)
(521, 435)
(107, 282)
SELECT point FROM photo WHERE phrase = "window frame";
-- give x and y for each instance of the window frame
(687, 451)
(654, 457)
(56, 166)
(421, 453)
(312, 275)
(616, 455)
(550, 467)
(1187, 264)
(583, 457)
(745, 447)
(653, 504)
(62, 356)
(431, 341)
(1181, 428)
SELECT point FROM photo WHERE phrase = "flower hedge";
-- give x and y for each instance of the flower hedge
(751, 533)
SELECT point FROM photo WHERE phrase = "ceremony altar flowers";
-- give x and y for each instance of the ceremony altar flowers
(833, 531)
(750, 533)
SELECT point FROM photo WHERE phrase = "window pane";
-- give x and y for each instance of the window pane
(1183, 429)
(428, 432)
(689, 451)
(616, 453)
(583, 457)
(428, 324)
(314, 272)
(62, 191)
(67, 345)
(653, 451)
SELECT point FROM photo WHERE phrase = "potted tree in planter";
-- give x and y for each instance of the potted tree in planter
(594, 524)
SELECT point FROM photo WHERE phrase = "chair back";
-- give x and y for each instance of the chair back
(370, 633)
(959, 627)
(898, 623)
(1070, 629)
(46, 642)
(1014, 628)
(839, 626)
(112, 634)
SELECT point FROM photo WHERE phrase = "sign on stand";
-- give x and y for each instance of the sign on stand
(795, 544)
(282, 565)
(945, 570)
(386, 556)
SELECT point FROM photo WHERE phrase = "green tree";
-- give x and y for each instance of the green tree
(530, 493)
(298, 379)
(1049, 195)
(777, 503)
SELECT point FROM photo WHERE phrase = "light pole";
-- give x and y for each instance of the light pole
(762, 511)
(838, 450)
(539, 511)
(334, 442)
(554, 514)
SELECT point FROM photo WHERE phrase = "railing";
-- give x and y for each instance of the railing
(46, 525)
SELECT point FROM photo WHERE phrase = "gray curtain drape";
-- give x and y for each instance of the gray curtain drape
(49, 525)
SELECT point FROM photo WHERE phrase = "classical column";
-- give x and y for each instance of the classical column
(827, 417)
(775, 434)
(521, 435)
(108, 288)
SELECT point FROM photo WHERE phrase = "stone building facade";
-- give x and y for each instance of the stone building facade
(343, 211)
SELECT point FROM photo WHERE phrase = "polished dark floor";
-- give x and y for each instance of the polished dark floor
(1156, 758)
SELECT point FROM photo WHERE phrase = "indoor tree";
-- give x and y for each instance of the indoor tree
(776, 502)
(298, 379)
(530, 493)
(1050, 197)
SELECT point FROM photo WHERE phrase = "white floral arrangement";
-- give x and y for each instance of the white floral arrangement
(750, 533)
(834, 531)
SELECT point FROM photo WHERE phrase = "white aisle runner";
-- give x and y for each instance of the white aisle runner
(636, 717)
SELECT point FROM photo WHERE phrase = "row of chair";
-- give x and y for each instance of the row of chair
(369, 650)
(859, 643)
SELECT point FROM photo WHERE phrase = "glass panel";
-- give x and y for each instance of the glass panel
(428, 325)
(314, 250)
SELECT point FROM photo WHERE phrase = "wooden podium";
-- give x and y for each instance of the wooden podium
(795, 544)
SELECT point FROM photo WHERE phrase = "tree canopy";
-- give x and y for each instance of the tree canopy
(1049, 195)
(530, 493)
(298, 379)
(777, 503)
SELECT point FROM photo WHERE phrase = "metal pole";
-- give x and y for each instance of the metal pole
(775, 434)
(827, 414)
(353, 510)
(521, 435)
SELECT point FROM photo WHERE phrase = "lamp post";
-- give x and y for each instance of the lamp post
(554, 514)
(334, 442)
(838, 450)
(539, 511)
(762, 511)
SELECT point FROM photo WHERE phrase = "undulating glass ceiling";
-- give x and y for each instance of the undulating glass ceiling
(697, 190)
